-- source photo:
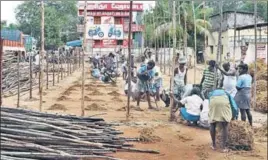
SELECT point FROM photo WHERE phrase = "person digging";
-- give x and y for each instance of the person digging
(145, 76)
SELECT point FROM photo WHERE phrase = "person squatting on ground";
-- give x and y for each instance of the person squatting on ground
(180, 78)
(221, 113)
(191, 106)
(208, 79)
(243, 95)
(229, 79)
(145, 76)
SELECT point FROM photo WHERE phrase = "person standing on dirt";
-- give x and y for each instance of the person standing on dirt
(220, 113)
(180, 79)
(208, 79)
(158, 83)
(145, 76)
(243, 95)
(229, 78)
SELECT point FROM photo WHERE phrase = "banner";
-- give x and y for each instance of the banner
(107, 20)
(261, 51)
(134, 27)
(111, 6)
(104, 13)
(105, 31)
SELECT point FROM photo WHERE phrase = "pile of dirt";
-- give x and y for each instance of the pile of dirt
(63, 98)
(184, 138)
(260, 133)
(57, 107)
(146, 135)
(114, 93)
(131, 107)
(240, 136)
(66, 93)
(86, 98)
(117, 99)
(95, 107)
(95, 93)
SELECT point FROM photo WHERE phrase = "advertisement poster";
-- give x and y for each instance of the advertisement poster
(261, 51)
(107, 20)
(99, 32)
(90, 20)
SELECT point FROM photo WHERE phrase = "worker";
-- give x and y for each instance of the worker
(158, 83)
(204, 121)
(242, 97)
(36, 67)
(229, 79)
(208, 79)
(180, 78)
(191, 106)
(145, 76)
(143, 59)
(124, 70)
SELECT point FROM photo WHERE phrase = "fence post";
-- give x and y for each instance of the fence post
(1, 59)
(18, 74)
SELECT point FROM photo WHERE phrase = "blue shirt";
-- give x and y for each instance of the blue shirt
(143, 69)
(244, 81)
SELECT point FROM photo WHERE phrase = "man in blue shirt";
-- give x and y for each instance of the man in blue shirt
(145, 76)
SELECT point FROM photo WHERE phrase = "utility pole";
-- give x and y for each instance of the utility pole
(255, 64)
(129, 58)
(171, 118)
(219, 46)
(83, 62)
(195, 48)
(234, 34)
(42, 54)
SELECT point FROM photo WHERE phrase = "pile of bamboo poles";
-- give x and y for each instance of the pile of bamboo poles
(34, 135)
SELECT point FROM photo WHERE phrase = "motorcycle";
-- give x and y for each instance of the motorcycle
(113, 31)
(94, 32)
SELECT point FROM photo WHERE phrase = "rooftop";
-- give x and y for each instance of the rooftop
(252, 26)
(241, 12)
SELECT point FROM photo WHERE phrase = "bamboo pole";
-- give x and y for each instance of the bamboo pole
(205, 36)
(155, 40)
(234, 47)
(53, 68)
(42, 54)
(47, 77)
(129, 59)
(31, 76)
(61, 68)
(164, 49)
(18, 74)
(255, 64)
(171, 118)
(219, 46)
(185, 36)
(169, 50)
(83, 62)
(58, 67)
(195, 48)
(1, 67)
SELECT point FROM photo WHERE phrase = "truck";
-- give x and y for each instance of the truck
(12, 40)
(29, 43)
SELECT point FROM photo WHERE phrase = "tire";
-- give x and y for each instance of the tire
(109, 35)
(100, 34)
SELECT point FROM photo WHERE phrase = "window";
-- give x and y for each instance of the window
(119, 42)
(117, 20)
(211, 49)
(97, 20)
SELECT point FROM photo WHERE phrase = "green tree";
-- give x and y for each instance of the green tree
(60, 17)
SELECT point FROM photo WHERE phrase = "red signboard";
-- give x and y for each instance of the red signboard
(110, 44)
(134, 28)
(111, 6)
(105, 13)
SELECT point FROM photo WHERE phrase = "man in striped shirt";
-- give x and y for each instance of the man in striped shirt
(208, 79)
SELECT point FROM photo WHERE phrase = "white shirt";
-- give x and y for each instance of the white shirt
(133, 87)
(97, 57)
(229, 84)
(192, 104)
(37, 59)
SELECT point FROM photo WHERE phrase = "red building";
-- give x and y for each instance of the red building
(107, 23)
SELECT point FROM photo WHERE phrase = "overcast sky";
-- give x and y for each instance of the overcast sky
(8, 8)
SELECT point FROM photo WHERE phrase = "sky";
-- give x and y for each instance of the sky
(8, 8)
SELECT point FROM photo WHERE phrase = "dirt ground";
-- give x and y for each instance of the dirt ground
(177, 141)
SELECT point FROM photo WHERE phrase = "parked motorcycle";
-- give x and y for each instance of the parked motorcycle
(94, 32)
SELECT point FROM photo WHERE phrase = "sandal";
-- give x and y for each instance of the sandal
(213, 148)
(225, 150)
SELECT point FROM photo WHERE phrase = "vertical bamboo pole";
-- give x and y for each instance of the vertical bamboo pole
(83, 62)
(47, 72)
(53, 66)
(234, 47)
(42, 53)
(219, 45)
(31, 76)
(58, 67)
(155, 40)
(129, 59)
(164, 49)
(185, 36)
(255, 64)
(1, 67)
(171, 118)
(169, 49)
(61, 68)
(205, 36)
(195, 48)
(18, 74)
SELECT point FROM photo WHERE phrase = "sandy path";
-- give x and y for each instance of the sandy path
(177, 140)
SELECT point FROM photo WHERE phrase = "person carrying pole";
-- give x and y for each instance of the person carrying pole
(145, 76)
